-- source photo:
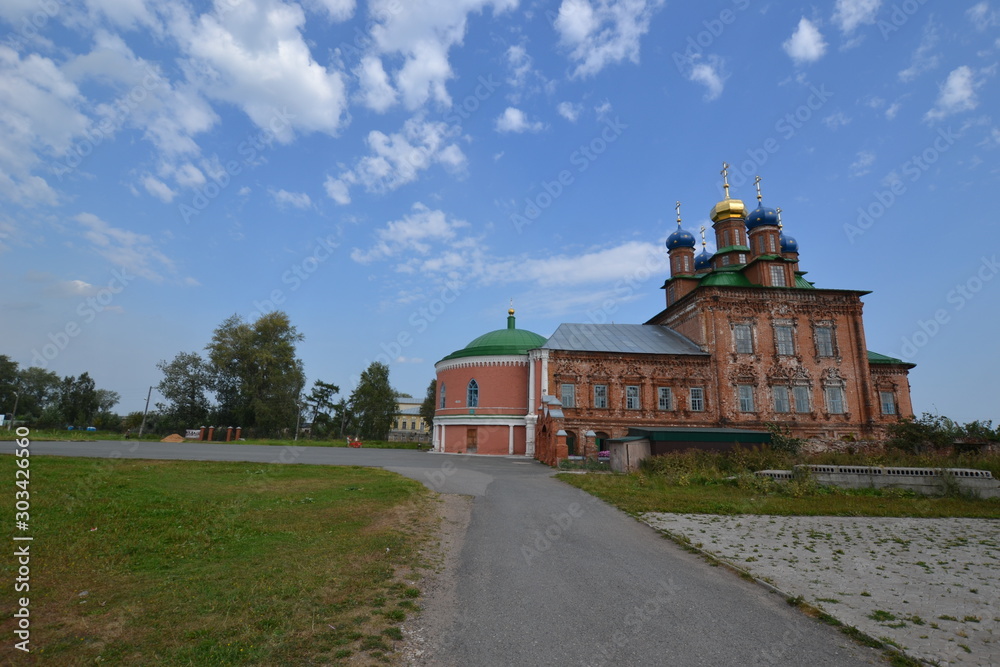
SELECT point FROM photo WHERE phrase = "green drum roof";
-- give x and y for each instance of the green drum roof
(502, 341)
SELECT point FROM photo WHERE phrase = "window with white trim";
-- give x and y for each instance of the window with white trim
(784, 339)
(888, 401)
(745, 392)
(778, 276)
(835, 400)
(600, 395)
(697, 399)
(781, 402)
(442, 395)
(744, 339)
(824, 341)
(664, 398)
(800, 393)
(472, 394)
(567, 395)
(631, 397)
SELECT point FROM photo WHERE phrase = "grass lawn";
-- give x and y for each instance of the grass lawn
(62, 435)
(197, 563)
(639, 492)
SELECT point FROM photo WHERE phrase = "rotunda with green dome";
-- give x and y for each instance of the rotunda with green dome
(482, 393)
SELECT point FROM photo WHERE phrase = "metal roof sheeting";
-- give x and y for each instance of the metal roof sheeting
(627, 338)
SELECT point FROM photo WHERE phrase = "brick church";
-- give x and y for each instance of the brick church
(744, 341)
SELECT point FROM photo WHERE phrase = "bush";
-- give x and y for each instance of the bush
(930, 433)
(782, 440)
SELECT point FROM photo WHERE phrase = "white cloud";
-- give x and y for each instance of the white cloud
(514, 120)
(398, 158)
(983, 16)
(709, 74)
(518, 64)
(136, 253)
(923, 58)
(376, 91)
(862, 163)
(806, 44)
(606, 265)
(569, 111)
(835, 120)
(893, 109)
(335, 10)
(295, 199)
(849, 14)
(419, 232)
(158, 189)
(253, 55)
(957, 94)
(607, 33)
(422, 32)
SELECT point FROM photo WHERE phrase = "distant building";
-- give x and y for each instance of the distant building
(408, 425)
(745, 340)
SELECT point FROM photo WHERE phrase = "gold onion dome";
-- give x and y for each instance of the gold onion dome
(728, 208)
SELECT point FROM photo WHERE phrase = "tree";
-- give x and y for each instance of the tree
(39, 394)
(259, 380)
(321, 405)
(187, 379)
(78, 399)
(428, 406)
(9, 385)
(373, 403)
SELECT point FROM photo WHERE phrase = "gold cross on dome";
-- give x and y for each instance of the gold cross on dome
(725, 177)
(778, 211)
(678, 207)
(703, 242)
(756, 182)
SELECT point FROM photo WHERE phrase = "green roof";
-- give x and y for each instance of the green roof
(876, 358)
(726, 278)
(501, 341)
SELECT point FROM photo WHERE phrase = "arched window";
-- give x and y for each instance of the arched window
(472, 395)
(442, 396)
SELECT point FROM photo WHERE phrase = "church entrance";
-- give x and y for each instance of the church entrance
(571, 443)
(600, 441)
(471, 441)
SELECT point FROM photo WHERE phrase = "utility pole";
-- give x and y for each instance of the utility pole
(298, 416)
(13, 415)
(143, 424)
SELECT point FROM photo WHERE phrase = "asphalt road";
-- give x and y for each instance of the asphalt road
(548, 575)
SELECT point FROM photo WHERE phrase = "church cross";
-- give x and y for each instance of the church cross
(756, 182)
(678, 207)
(725, 177)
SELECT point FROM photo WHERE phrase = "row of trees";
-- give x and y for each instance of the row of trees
(249, 376)
(45, 400)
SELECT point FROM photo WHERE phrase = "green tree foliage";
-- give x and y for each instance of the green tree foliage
(9, 384)
(373, 403)
(321, 407)
(78, 400)
(187, 381)
(933, 433)
(39, 395)
(259, 380)
(427, 407)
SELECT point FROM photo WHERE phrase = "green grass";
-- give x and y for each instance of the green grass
(62, 435)
(640, 492)
(181, 563)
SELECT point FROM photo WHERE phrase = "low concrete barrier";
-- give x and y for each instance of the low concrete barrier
(927, 481)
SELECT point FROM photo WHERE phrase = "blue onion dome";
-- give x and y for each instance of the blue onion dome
(761, 216)
(703, 260)
(681, 238)
(788, 244)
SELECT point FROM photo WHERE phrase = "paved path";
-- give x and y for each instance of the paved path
(548, 575)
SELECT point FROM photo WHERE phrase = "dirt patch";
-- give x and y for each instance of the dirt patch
(429, 631)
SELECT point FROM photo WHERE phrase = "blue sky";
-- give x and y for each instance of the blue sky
(391, 174)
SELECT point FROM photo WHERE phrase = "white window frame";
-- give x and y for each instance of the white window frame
(632, 401)
(778, 276)
(782, 401)
(443, 399)
(888, 400)
(798, 392)
(600, 396)
(696, 399)
(664, 398)
(746, 337)
(472, 394)
(745, 394)
(785, 348)
(835, 403)
(824, 348)
(567, 395)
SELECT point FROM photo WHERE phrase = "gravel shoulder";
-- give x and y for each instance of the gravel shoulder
(930, 586)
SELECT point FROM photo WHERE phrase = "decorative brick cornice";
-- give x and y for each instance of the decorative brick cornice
(473, 362)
